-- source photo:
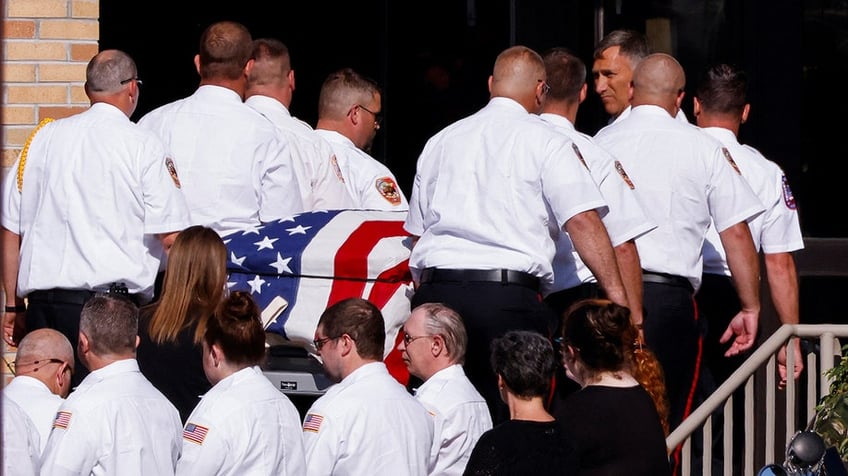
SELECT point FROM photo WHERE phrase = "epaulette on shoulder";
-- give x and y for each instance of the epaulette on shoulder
(25, 150)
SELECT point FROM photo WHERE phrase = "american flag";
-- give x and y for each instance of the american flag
(312, 422)
(315, 259)
(195, 433)
(62, 420)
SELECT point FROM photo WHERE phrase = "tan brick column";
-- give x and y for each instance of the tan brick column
(46, 46)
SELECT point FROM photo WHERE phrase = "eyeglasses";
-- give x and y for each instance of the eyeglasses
(545, 88)
(134, 78)
(42, 363)
(407, 339)
(378, 116)
(319, 343)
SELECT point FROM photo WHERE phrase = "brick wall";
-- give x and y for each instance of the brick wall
(46, 46)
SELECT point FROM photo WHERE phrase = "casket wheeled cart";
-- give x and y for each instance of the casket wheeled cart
(296, 268)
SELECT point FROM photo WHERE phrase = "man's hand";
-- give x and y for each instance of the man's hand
(744, 327)
(14, 327)
(781, 362)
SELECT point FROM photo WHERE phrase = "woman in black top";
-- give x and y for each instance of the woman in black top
(171, 329)
(612, 421)
(531, 442)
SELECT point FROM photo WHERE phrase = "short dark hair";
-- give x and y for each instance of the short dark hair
(225, 48)
(237, 328)
(631, 43)
(110, 322)
(362, 321)
(566, 74)
(723, 89)
(525, 361)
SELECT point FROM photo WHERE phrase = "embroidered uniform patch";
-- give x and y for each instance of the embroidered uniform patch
(195, 433)
(788, 198)
(388, 189)
(620, 169)
(172, 169)
(730, 160)
(336, 168)
(312, 422)
(62, 420)
(579, 155)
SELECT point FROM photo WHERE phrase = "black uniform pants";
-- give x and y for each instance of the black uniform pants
(489, 310)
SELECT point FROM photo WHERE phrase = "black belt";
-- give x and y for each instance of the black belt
(503, 276)
(669, 279)
(71, 296)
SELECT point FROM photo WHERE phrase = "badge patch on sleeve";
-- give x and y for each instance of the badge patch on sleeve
(388, 189)
(788, 198)
(172, 169)
(730, 160)
(620, 169)
(312, 422)
(579, 155)
(62, 420)
(195, 433)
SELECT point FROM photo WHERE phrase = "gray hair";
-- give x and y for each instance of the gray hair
(446, 322)
(111, 324)
(107, 71)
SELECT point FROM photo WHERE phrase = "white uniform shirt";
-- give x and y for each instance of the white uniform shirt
(235, 170)
(483, 188)
(243, 425)
(39, 403)
(777, 230)
(21, 451)
(114, 423)
(681, 116)
(460, 414)
(371, 184)
(684, 182)
(626, 220)
(322, 186)
(96, 188)
(367, 424)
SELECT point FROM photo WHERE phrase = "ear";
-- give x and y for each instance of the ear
(291, 80)
(491, 78)
(745, 111)
(137, 341)
(84, 346)
(679, 100)
(583, 92)
(197, 63)
(217, 354)
(437, 347)
(248, 67)
(696, 106)
(501, 383)
(348, 345)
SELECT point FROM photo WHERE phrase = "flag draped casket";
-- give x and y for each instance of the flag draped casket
(308, 262)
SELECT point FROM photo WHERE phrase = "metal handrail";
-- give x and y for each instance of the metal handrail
(701, 418)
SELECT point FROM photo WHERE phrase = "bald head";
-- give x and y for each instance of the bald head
(519, 74)
(659, 80)
(43, 354)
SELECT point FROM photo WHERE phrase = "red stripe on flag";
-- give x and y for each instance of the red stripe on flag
(352, 258)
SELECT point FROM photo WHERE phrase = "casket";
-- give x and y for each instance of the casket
(297, 267)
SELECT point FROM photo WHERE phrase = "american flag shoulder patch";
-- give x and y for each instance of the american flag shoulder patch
(312, 422)
(195, 433)
(62, 420)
